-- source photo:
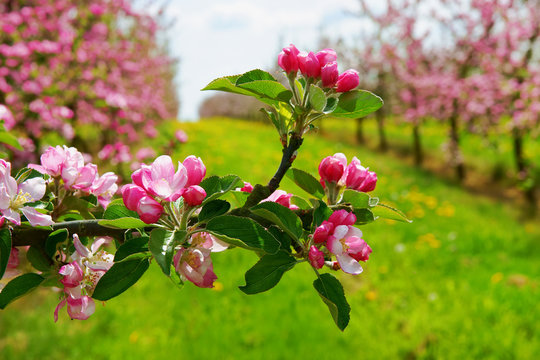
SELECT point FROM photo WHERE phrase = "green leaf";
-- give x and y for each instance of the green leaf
(357, 103)
(5, 249)
(238, 198)
(331, 292)
(300, 202)
(18, 287)
(281, 216)
(213, 208)
(162, 243)
(216, 186)
(268, 89)
(363, 216)
(80, 205)
(133, 246)
(322, 212)
(242, 232)
(117, 211)
(56, 237)
(317, 98)
(38, 260)
(124, 223)
(254, 75)
(227, 84)
(273, 119)
(280, 235)
(9, 139)
(331, 105)
(120, 277)
(359, 200)
(306, 182)
(388, 212)
(267, 272)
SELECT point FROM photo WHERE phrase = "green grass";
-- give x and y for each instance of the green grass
(460, 282)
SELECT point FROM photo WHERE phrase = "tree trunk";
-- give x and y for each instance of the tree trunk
(417, 146)
(360, 131)
(523, 170)
(383, 145)
(454, 138)
(518, 151)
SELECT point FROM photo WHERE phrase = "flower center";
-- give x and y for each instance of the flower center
(20, 200)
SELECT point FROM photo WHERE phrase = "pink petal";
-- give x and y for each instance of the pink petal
(36, 218)
(35, 187)
(81, 249)
(349, 265)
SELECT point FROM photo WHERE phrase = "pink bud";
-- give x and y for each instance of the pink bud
(132, 194)
(323, 231)
(149, 210)
(309, 65)
(355, 174)
(342, 217)
(247, 187)
(369, 183)
(287, 59)
(358, 249)
(316, 257)
(329, 74)
(348, 81)
(326, 56)
(194, 195)
(195, 170)
(331, 168)
(138, 175)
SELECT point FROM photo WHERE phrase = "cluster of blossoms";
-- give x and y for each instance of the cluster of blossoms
(336, 174)
(68, 164)
(321, 66)
(339, 236)
(157, 184)
(14, 196)
(81, 276)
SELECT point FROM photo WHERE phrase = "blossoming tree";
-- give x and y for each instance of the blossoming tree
(79, 238)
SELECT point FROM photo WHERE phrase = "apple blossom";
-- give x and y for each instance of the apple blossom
(347, 81)
(316, 257)
(288, 59)
(194, 195)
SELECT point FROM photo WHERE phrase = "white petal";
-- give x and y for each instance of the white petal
(36, 218)
(35, 187)
(349, 265)
(12, 216)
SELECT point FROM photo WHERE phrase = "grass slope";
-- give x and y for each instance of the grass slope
(461, 282)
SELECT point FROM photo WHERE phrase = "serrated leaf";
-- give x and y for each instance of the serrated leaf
(388, 212)
(300, 202)
(162, 243)
(331, 105)
(55, 238)
(133, 246)
(216, 186)
(124, 223)
(357, 103)
(18, 287)
(267, 272)
(242, 232)
(120, 277)
(283, 217)
(213, 208)
(332, 294)
(306, 182)
(254, 75)
(5, 249)
(317, 98)
(359, 200)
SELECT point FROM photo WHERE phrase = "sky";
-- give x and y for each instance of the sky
(214, 38)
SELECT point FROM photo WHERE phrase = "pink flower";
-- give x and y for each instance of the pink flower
(369, 183)
(342, 217)
(326, 56)
(331, 168)
(309, 65)
(80, 308)
(72, 274)
(247, 187)
(347, 81)
(162, 181)
(181, 136)
(316, 257)
(104, 187)
(194, 264)
(287, 59)
(86, 177)
(349, 247)
(196, 170)
(132, 194)
(52, 161)
(355, 174)
(194, 195)
(149, 210)
(7, 116)
(283, 198)
(329, 74)
(13, 196)
(323, 231)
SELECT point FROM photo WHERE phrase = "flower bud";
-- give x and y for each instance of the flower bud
(194, 195)
(342, 217)
(149, 210)
(329, 74)
(316, 257)
(195, 170)
(132, 194)
(287, 59)
(309, 65)
(355, 174)
(323, 231)
(247, 187)
(326, 56)
(331, 168)
(348, 81)
(369, 183)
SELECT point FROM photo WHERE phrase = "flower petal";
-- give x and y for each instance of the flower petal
(35, 217)
(349, 265)
(35, 187)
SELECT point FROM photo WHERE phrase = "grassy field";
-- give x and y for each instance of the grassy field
(460, 282)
